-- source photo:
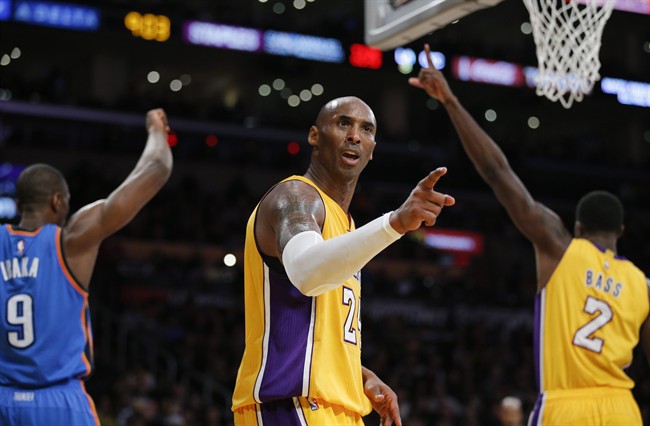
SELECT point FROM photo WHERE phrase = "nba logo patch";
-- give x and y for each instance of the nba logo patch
(313, 404)
(20, 247)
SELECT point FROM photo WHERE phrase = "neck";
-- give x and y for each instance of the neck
(338, 188)
(32, 220)
(605, 241)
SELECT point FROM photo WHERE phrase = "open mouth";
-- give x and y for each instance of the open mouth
(351, 155)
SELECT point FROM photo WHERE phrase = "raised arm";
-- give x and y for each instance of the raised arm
(89, 226)
(538, 223)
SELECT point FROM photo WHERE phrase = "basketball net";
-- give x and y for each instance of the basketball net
(567, 35)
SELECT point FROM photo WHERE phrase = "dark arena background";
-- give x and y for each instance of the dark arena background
(447, 311)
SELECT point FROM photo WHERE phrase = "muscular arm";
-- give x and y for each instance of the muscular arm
(290, 208)
(88, 227)
(538, 223)
(295, 214)
(289, 227)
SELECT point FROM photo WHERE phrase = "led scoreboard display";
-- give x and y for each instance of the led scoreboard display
(58, 15)
(148, 26)
(5, 9)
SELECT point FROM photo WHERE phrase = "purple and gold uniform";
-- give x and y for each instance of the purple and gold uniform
(45, 352)
(588, 319)
(301, 352)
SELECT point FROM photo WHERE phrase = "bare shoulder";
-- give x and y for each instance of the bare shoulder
(80, 231)
(81, 240)
(291, 197)
(550, 236)
(289, 208)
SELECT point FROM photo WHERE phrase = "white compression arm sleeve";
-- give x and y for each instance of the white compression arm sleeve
(315, 265)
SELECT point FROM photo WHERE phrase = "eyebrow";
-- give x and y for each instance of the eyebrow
(364, 122)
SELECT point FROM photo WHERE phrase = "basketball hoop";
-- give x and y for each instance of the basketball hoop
(567, 36)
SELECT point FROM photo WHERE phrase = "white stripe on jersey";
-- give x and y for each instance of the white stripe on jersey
(309, 349)
(265, 341)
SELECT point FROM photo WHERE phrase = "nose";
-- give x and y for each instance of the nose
(354, 135)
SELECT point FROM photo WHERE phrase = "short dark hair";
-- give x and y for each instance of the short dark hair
(600, 211)
(36, 184)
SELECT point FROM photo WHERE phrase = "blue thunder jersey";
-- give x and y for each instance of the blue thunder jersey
(46, 333)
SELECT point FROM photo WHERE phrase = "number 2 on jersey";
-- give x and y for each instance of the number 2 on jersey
(20, 313)
(581, 338)
(349, 332)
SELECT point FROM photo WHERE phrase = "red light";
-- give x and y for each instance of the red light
(172, 139)
(211, 141)
(363, 56)
(293, 148)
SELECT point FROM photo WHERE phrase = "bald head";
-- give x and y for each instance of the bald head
(332, 108)
(36, 185)
(510, 412)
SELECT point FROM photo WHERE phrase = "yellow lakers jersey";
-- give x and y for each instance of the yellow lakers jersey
(298, 345)
(588, 319)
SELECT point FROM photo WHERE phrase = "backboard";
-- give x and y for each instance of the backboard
(393, 23)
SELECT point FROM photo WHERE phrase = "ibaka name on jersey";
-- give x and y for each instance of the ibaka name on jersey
(19, 267)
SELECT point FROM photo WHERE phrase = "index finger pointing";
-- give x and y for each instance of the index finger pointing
(430, 181)
(427, 50)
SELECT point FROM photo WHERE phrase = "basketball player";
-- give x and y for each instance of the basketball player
(46, 263)
(592, 304)
(302, 361)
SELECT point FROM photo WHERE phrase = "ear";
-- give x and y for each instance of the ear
(312, 138)
(578, 229)
(374, 145)
(621, 231)
(56, 202)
